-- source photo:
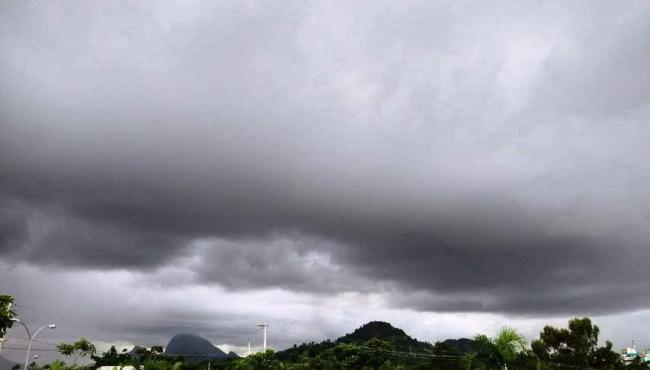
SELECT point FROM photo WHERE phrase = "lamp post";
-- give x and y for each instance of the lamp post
(32, 337)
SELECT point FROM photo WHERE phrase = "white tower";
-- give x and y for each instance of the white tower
(249, 348)
(263, 326)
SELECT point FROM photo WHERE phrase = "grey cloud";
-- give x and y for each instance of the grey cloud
(122, 307)
(13, 228)
(424, 148)
(50, 236)
(294, 262)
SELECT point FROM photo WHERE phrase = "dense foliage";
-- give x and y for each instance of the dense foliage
(79, 349)
(6, 314)
(575, 346)
(380, 346)
(509, 347)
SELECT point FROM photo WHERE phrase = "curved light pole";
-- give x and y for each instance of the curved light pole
(32, 337)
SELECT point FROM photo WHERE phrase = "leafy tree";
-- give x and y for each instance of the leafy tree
(81, 348)
(161, 364)
(112, 358)
(259, 361)
(6, 314)
(495, 353)
(576, 346)
(388, 365)
(605, 358)
(637, 364)
(59, 365)
(525, 360)
(55, 365)
(66, 349)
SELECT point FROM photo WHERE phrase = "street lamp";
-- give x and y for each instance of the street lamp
(31, 337)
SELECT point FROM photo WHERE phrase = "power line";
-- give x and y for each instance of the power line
(390, 352)
(408, 354)
(557, 364)
(191, 355)
(34, 340)
(32, 349)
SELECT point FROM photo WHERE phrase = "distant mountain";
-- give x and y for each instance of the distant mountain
(462, 345)
(137, 350)
(193, 348)
(6, 364)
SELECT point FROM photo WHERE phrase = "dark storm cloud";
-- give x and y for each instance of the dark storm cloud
(493, 158)
(13, 228)
(52, 236)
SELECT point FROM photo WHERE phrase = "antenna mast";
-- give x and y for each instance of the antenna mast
(264, 326)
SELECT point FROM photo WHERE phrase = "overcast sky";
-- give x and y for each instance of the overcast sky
(200, 167)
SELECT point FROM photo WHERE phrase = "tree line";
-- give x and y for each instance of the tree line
(575, 347)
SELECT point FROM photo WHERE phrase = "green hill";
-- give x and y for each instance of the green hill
(395, 337)
(372, 345)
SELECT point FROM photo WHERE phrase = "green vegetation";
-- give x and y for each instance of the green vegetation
(380, 346)
(576, 346)
(110, 358)
(6, 314)
(81, 348)
(496, 353)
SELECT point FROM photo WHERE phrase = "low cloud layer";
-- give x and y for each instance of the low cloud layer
(126, 308)
(450, 157)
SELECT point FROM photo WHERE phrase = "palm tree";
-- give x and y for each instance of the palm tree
(495, 353)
